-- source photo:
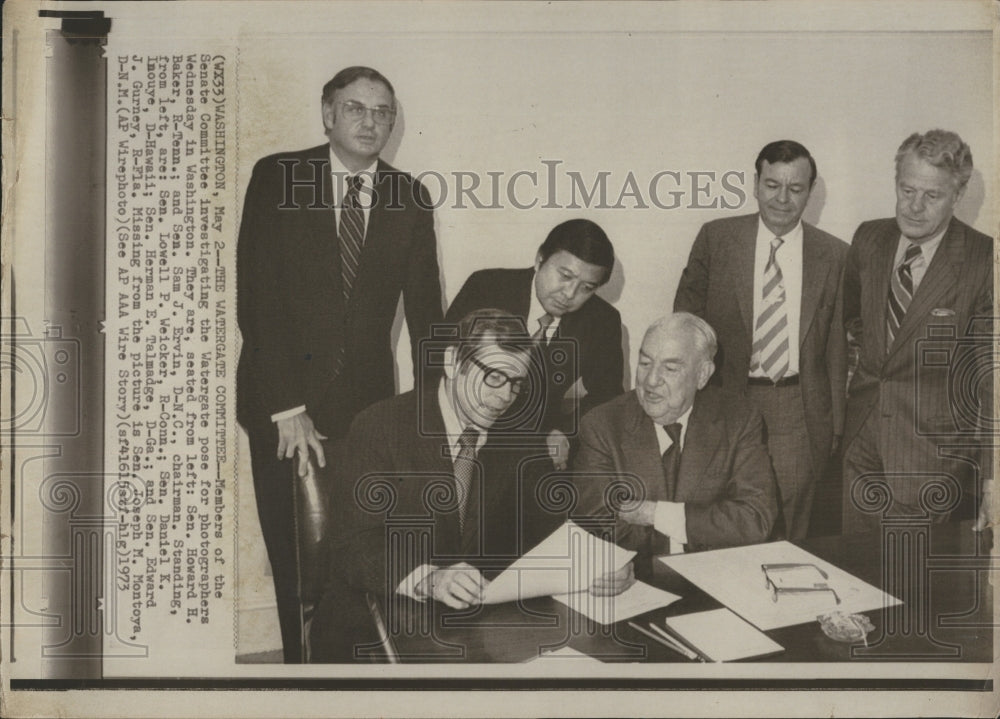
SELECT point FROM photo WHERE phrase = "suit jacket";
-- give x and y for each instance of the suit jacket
(396, 478)
(934, 385)
(591, 338)
(290, 304)
(718, 285)
(725, 478)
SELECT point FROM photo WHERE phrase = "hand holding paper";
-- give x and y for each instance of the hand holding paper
(568, 560)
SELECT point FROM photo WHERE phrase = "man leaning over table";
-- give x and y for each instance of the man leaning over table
(692, 456)
(579, 334)
(436, 457)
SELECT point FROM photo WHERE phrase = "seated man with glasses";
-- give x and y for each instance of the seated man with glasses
(330, 238)
(432, 495)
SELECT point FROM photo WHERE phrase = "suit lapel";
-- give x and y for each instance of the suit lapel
(742, 271)
(431, 454)
(701, 441)
(321, 221)
(379, 232)
(941, 276)
(522, 301)
(815, 269)
(882, 268)
(642, 451)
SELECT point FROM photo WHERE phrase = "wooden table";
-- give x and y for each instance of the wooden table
(946, 616)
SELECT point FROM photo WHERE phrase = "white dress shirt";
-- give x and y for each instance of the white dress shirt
(535, 311)
(789, 259)
(668, 517)
(927, 249)
(366, 194)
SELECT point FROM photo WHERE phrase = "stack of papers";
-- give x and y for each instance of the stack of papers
(566, 561)
(721, 636)
(637, 599)
(734, 578)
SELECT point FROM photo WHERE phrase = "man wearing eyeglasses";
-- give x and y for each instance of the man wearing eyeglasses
(433, 493)
(330, 238)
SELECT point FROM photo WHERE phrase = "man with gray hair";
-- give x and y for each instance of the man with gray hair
(918, 298)
(689, 460)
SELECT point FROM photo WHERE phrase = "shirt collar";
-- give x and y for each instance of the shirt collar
(664, 439)
(793, 236)
(452, 425)
(338, 170)
(535, 310)
(928, 248)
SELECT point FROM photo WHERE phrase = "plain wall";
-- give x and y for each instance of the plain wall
(617, 102)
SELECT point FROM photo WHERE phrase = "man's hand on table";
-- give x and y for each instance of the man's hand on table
(460, 586)
(613, 582)
(642, 513)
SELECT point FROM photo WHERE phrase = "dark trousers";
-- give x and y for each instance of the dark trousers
(273, 484)
(791, 454)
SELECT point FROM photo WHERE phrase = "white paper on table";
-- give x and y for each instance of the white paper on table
(637, 599)
(568, 560)
(566, 653)
(733, 576)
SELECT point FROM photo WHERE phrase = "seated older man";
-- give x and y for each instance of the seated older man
(692, 458)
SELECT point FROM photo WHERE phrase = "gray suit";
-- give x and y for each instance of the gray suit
(718, 285)
(916, 409)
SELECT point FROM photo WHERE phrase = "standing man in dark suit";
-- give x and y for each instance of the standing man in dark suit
(918, 296)
(431, 498)
(330, 237)
(770, 286)
(693, 456)
(556, 299)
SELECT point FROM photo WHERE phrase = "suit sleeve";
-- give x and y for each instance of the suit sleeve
(422, 290)
(465, 301)
(602, 365)
(363, 498)
(262, 312)
(692, 291)
(836, 360)
(986, 342)
(851, 292)
(745, 511)
(598, 482)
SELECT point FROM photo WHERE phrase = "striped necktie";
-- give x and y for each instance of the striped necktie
(543, 325)
(352, 235)
(901, 292)
(770, 344)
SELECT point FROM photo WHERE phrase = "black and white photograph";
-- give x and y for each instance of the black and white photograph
(445, 358)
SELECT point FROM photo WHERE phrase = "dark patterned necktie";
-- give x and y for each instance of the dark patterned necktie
(901, 292)
(465, 468)
(352, 234)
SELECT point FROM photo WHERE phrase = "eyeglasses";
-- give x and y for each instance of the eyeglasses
(496, 378)
(355, 112)
(796, 578)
